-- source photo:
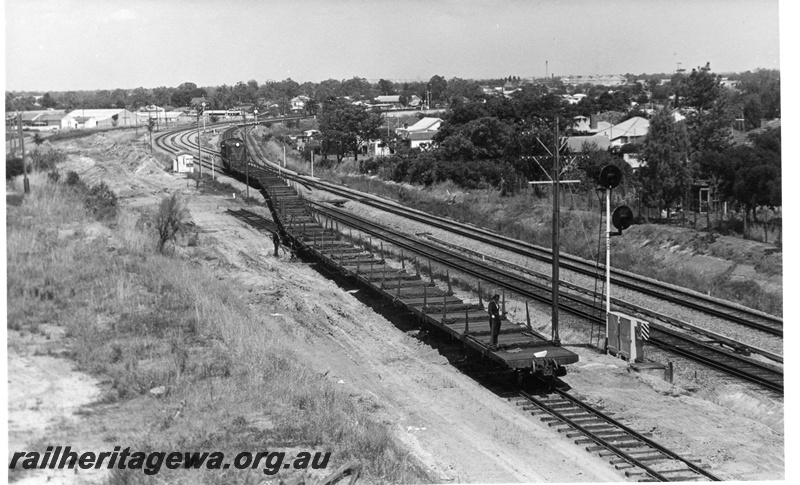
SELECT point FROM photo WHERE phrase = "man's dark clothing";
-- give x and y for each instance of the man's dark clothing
(494, 320)
(276, 240)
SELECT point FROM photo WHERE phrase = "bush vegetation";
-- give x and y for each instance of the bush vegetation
(169, 220)
(141, 320)
(14, 167)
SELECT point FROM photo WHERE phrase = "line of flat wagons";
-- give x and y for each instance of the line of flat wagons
(529, 354)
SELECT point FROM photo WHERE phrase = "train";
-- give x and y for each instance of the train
(233, 151)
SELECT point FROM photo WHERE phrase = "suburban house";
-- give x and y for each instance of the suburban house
(629, 131)
(420, 134)
(299, 103)
(415, 101)
(573, 98)
(387, 102)
(589, 125)
(99, 118)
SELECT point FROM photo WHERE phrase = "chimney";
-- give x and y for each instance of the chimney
(592, 121)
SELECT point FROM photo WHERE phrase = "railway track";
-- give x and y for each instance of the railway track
(728, 311)
(708, 354)
(628, 450)
(727, 362)
(734, 313)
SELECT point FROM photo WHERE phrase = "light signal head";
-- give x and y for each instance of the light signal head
(610, 176)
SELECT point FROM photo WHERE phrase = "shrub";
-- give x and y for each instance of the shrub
(72, 178)
(169, 220)
(101, 201)
(47, 160)
(14, 167)
(53, 176)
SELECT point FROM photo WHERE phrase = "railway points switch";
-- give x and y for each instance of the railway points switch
(625, 336)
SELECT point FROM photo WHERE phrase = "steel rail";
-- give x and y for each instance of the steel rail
(528, 289)
(669, 454)
(653, 288)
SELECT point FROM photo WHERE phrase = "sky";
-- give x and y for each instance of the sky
(60, 45)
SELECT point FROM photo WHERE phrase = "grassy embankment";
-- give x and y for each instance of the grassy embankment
(528, 217)
(140, 320)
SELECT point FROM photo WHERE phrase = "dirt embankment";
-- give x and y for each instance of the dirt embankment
(710, 255)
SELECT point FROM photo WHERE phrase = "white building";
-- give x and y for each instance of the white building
(98, 118)
(629, 131)
(183, 163)
(420, 134)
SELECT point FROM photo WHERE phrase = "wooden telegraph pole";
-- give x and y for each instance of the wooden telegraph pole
(556, 183)
(26, 183)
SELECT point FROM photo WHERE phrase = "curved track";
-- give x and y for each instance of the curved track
(728, 362)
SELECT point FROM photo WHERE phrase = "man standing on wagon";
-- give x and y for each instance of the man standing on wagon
(494, 320)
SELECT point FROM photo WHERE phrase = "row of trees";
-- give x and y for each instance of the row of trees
(490, 143)
(757, 96)
(676, 155)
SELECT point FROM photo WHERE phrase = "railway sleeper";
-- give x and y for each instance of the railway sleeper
(581, 439)
(625, 445)
(617, 434)
(633, 453)
(598, 427)
(653, 456)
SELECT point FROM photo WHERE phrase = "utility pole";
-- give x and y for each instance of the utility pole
(199, 160)
(556, 181)
(26, 183)
(556, 239)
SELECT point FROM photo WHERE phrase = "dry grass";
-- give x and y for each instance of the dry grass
(141, 320)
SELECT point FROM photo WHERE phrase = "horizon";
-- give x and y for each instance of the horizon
(116, 44)
(376, 80)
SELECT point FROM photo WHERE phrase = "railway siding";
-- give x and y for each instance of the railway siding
(519, 347)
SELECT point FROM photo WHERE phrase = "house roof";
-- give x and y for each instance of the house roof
(52, 116)
(425, 124)
(575, 143)
(38, 114)
(388, 99)
(636, 126)
(99, 114)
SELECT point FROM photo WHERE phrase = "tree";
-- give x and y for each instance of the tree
(752, 178)
(343, 126)
(48, 102)
(386, 87)
(438, 87)
(710, 119)
(665, 175)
